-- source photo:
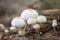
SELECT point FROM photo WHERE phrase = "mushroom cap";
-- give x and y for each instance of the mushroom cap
(18, 22)
(22, 32)
(31, 21)
(29, 13)
(36, 26)
(54, 23)
(6, 30)
(2, 27)
(12, 28)
(41, 19)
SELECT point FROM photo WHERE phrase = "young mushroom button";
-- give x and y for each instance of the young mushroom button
(6, 30)
(12, 28)
(36, 26)
(54, 23)
(21, 32)
(2, 27)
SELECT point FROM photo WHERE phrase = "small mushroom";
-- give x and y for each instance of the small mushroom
(54, 24)
(6, 31)
(31, 21)
(1, 27)
(22, 32)
(18, 22)
(29, 13)
(13, 30)
(11, 36)
(36, 27)
(41, 19)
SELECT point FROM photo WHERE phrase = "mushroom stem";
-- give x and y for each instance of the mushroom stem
(26, 26)
(54, 30)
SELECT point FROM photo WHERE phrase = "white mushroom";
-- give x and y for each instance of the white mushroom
(11, 36)
(12, 28)
(22, 32)
(54, 23)
(29, 13)
(6, 30)
(31, 21)
(36, 26)
(2, 27)
(41, 19)
(18, 22)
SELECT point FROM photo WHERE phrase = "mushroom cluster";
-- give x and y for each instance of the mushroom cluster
(28, 17)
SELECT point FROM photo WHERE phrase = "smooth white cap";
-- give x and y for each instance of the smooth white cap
(36, 26)
(29, 13)
(12, 28)
(31, 21)
(6, 30)
(54, 23)
(2, 26)
(18, 22)
(11, 36)
(41, 19)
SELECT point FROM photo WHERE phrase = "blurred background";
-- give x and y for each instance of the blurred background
(11, 8)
